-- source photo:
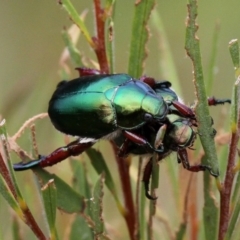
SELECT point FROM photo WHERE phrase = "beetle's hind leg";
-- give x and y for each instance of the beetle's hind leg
(72, 149)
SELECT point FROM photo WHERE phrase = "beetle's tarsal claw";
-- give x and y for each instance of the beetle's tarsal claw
(21, 166)
(212, 173)
(147, 194)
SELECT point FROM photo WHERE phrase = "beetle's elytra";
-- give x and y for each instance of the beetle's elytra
(95, 106)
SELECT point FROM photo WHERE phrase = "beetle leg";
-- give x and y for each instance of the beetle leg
(184, 110)
(123, 150)
(212, 101)
(141, 141)
(88, 71)
(146, 178)
(72, 149)
(183, 158)
(160, 136)
(153, 84)
(148, 80)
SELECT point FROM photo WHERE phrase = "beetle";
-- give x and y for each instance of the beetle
(179, 134)
(100, 105)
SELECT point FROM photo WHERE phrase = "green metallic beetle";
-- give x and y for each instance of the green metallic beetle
(100, 106)
(96, 106)
(146, 115)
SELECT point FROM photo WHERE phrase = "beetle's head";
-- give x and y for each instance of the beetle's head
(181, 134)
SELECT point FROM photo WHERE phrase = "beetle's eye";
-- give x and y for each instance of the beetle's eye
(148, 117)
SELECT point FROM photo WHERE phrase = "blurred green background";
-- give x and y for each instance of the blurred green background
(31, 45)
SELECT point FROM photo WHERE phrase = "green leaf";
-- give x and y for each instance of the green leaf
(166, 63)
(16, 230)
(80, 183)
(67, 5)
(206, 132)
(100, 166)
(8, 196)
(233, 221)
(210, 210)
(96, 207)
(234, 52)
(74, 53)
(80, 230)
(49, 194)
(213, 58)
(67, 199)
(181, 231)
(139, 37)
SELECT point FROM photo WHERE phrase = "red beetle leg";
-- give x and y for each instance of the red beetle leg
(72, 149)
(212, 101)
(148, 80)
(184, 110)
(141, 141)
(153, 84)
(183, 158)
(123, 150)
(88, 71)
(146, 179)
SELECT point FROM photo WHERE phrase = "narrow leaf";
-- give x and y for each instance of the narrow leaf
(213, 58)
(166, 63)
(139, 37)
(49, 194)
(8, 196)
(206, 132)
(100, 166)
(67, 5)
(74, 53)
(210, 210)
(67, 199)
(80, 230)
(96, 207)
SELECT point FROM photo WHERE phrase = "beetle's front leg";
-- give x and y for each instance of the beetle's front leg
(183, 158)
(139, 140)
(72, 149)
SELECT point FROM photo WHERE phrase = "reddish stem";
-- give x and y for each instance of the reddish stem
(5, 173)
(99, 40)
(225, 192)
(130, 216)
(29, 219)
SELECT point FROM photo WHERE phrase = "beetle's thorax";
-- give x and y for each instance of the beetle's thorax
(155, 106)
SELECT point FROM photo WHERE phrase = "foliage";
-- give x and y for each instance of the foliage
(219, 217)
